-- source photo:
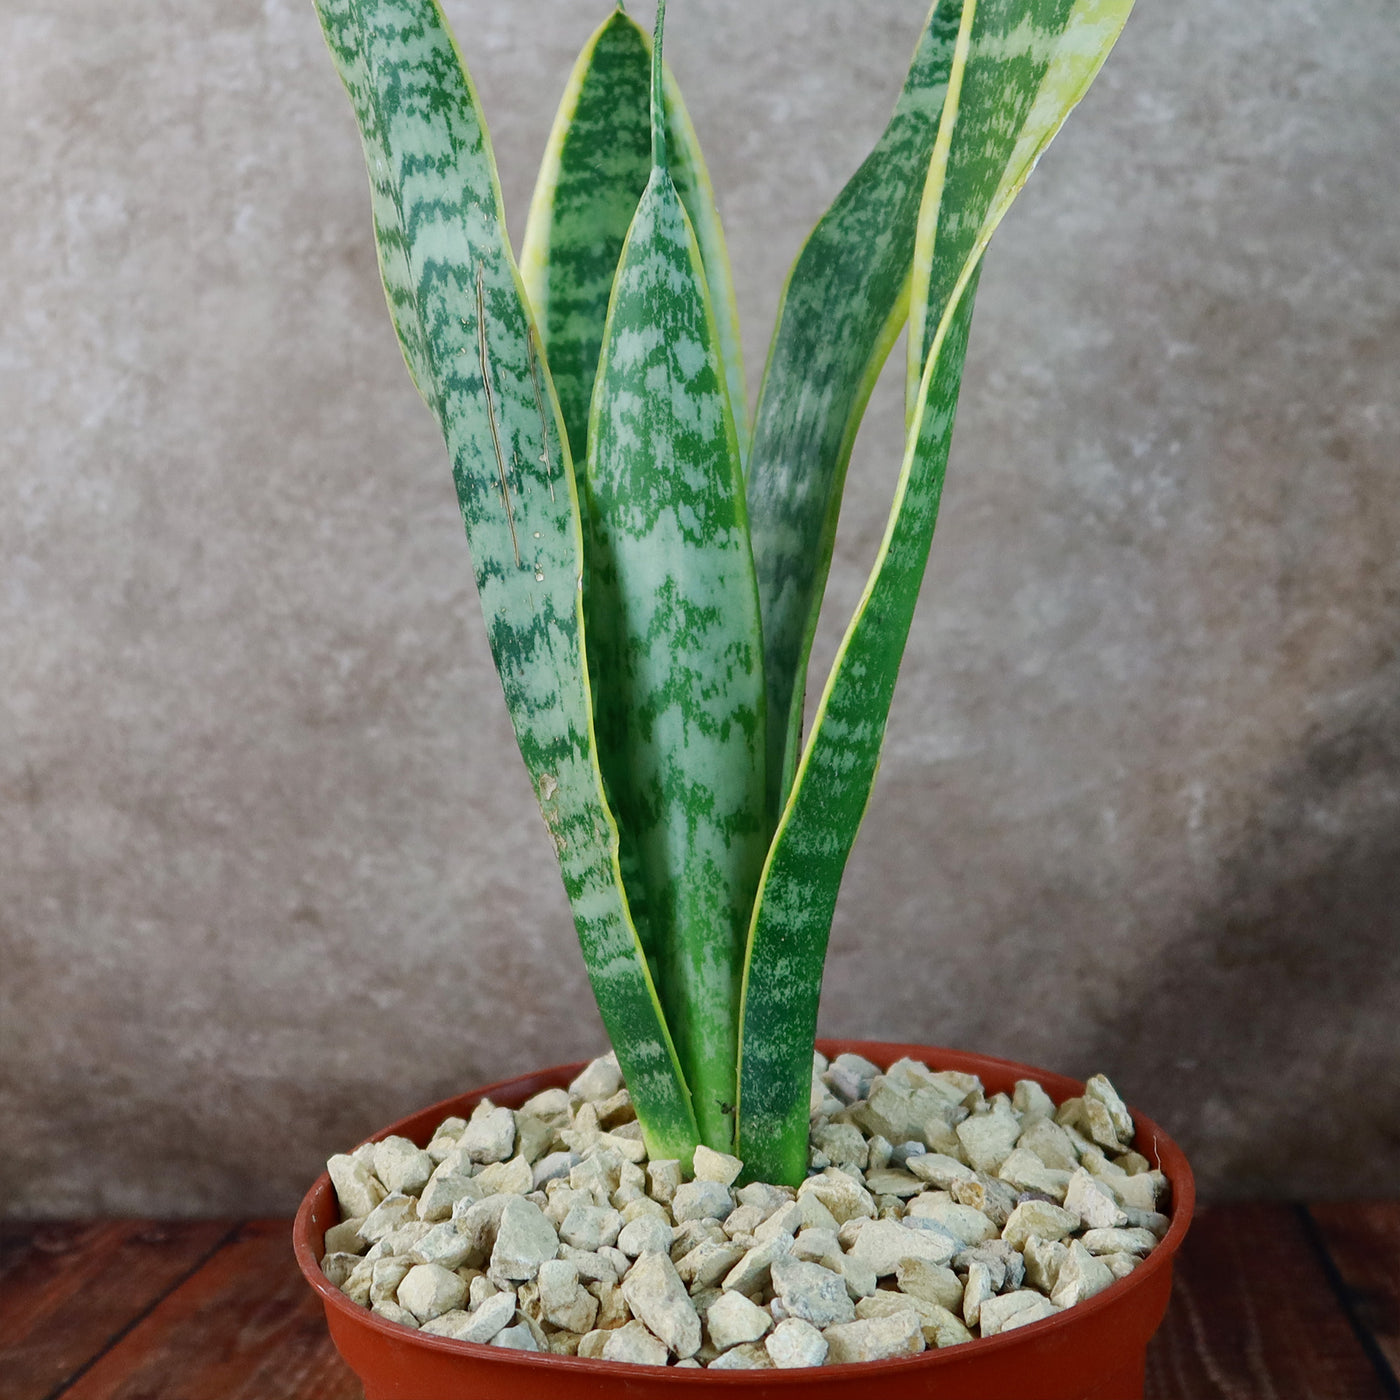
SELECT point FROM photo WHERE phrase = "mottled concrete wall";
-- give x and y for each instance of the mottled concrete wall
(269, 872)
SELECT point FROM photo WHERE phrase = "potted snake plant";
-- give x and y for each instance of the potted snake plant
(650, 558)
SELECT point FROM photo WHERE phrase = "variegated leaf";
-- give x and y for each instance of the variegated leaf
(675, 638)
(845, 301)
(982, 117)
(594, 171)
(1028, 62)
(797, 895)
(459, 307)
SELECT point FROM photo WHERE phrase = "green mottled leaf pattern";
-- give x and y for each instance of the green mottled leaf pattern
(459, 307)
(1004, 58)
(846, 298)
(673, 624)
(595, 169)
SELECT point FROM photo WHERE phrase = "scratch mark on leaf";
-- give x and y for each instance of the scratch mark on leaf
(539, 404)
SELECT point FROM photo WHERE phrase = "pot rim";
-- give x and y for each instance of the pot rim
(1165, 1153)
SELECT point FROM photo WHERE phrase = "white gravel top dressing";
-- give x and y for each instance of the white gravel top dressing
(931, 1214)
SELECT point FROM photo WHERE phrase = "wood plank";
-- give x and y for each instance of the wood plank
(243, 1327)
(1363, 1242)
(1254, 1317)
(67, 1289)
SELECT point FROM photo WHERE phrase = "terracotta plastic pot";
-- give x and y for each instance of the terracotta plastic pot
(1094, 1351)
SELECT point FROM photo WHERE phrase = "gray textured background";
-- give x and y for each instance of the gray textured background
(269, 871)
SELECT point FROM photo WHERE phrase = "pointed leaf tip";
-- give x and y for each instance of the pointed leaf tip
(658, 91)
(595, 169)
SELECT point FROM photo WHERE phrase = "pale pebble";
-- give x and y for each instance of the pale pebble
(388, 1215)
(521, 1337)
(1114, 1241)
(591, 1227)
(392, 1312)
(811, 1292)
(429, 1290)
(875, 1338)
(488, 1319)
(795, 1344)
(1012, 1310)
(524, 1240)
(920, 1278)
(697, 1200)
(733, 1319)
(598, 1081)
(1042, 1218)
(988, 1138)
(402, 1165)
(749, 1356)
(1081, 1276)
(647, 1234)
(716, 1166)
(656, 1296)
(490, 1135)
(357, 1189)
(1093, 1202)
(663, 1177)
(632, 1343)
(883, 1244)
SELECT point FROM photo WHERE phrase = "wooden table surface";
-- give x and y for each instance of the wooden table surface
(1272, 1302)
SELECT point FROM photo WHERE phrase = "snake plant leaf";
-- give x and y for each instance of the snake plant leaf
(845, 301)
(595, 169)
(1028, 63)
(458, 304)
(797, 894)
(802, 877)
(674, 632)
